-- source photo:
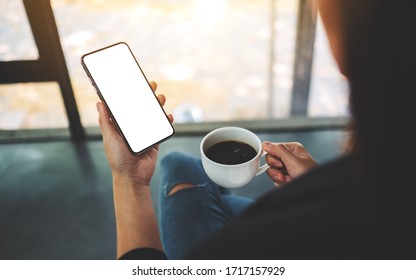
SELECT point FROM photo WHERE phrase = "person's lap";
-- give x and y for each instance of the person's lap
(191, 214)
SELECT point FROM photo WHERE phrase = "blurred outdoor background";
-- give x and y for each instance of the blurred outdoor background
(211, 58)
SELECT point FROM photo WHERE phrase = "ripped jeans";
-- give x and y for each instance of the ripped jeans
(189, 215)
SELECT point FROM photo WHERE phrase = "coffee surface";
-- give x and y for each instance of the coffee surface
(231, 152)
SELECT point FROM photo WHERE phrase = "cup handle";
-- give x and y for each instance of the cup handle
(264, 167)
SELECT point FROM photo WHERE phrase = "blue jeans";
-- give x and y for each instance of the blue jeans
(189, 215)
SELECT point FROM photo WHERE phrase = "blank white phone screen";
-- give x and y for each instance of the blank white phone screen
(125, 90)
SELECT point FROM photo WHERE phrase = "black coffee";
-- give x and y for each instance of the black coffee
(230, 152)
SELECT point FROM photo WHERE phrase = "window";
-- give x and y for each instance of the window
(210, 58)
(329, 89)
(214, 60)
(16, 37)
(31, 105)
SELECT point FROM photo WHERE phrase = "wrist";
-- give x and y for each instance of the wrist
(129, 191)
(129, 180)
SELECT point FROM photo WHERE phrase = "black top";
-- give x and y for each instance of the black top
(313, 217)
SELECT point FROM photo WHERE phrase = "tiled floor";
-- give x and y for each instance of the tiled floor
(56, 197)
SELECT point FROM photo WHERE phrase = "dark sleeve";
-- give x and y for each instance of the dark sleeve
(144, 254)
(312, 217)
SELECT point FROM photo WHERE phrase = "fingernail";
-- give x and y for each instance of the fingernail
(267, 144)
(98, 107)
(278, 186)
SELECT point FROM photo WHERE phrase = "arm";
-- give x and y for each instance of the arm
(135, 217)
(287, 161)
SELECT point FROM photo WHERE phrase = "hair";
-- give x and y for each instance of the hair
(380, 58)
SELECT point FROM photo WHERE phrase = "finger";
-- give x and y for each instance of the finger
(279, 150)
(274, 161)
(281, 183)
(106, 124)
(103, 115)
(170, 117)
(275, 149)
(153, 85)
(279, 186)
(162, 99)
(276, 175)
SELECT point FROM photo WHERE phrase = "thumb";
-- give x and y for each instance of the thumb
(104, 120)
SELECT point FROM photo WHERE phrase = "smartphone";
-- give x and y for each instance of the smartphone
(122, 86)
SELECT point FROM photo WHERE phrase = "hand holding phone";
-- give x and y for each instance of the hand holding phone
(122, 86)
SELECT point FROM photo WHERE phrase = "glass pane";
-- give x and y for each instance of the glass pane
(16, 36)
(210, 58)
(329, 88)
(31, 105)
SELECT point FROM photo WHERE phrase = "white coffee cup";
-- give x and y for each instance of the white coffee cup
(232, 175)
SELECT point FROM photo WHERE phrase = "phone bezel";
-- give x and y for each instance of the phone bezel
(97, 90)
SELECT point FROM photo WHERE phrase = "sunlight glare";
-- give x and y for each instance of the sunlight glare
(210, 12)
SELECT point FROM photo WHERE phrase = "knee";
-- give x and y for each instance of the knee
(176, 159)
(181, 187)
(180, 171)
